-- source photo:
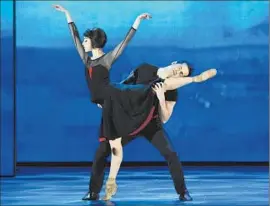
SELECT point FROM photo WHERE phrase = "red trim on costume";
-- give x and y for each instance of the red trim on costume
(145, 123)
(90, 70)
(156, 116)
(102, 139)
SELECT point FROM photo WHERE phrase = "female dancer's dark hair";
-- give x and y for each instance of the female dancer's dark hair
(98, 37)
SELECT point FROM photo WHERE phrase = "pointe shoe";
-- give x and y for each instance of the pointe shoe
(111, 189)
(210, 73)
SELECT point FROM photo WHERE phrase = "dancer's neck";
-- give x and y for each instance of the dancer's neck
(96, 53)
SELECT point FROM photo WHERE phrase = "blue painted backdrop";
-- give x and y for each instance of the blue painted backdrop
(7, 144)
(225, 119)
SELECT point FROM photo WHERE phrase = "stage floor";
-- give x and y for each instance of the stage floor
(139, 186)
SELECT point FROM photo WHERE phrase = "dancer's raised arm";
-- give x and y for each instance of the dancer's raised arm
(74, 32)
(118, 50)
(167, 101)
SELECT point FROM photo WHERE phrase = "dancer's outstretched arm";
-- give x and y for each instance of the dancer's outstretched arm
(74, 32)
(173, 83)
(118, 50)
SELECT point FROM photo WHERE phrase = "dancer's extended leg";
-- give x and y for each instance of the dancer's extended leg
(117, 157)
(176, 81)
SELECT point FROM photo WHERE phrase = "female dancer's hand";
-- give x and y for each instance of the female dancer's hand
(60, 8)
(139, 18)
(144, 16)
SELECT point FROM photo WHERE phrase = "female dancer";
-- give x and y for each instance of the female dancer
(126, 109)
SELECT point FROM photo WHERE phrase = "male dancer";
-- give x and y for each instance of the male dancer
(153, 132)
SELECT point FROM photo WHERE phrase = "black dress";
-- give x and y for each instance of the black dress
(127, 109)
(147, 74)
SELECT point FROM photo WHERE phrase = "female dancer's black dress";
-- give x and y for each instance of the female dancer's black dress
(127, 109)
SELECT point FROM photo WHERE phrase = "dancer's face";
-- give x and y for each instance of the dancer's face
(184, 71)
(87, 44)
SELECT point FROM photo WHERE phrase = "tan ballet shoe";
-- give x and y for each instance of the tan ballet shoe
(210, 73)
(111, 189)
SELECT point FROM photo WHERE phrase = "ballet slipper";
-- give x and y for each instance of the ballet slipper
(210, 73)
(111, 189)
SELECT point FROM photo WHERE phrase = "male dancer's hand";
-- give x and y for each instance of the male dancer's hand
(159, 90)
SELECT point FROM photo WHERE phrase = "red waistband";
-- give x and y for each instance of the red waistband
(145, 123)
(142, 126)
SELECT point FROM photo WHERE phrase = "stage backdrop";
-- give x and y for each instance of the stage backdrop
(7, 143)
(225, 119)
